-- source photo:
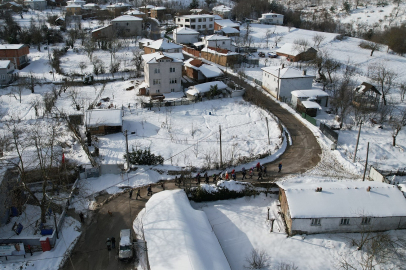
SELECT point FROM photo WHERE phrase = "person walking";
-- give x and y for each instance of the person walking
(227, 176)
(251, 173)
(260, 175)
(149, 190)
(138, 194)
(176, 180)
(198, 178)
(29, 249)
(131, 193)
(113, 242)
(108, 242)
(265, 173)
(243, 172)
(82, 217)
(163, 185)
(258, 166)
(206, 178)
(234, 176)
(280, 166)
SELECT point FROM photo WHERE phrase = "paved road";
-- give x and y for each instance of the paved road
(91, 253)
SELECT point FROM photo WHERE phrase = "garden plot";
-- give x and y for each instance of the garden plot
(189, 135)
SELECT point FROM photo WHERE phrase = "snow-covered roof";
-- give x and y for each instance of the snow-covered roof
(152, 57)
(344, 199)
(11, 46)
(147, 7)
(309, 93)
(178, 236)
(125, 237)
(185, 31)
(311, 105)
(229, 30)
(216, 37)
(124, 18)
(158, 8)
(227, 22)
(4, 63)
(289, 48)
(111, 117)
(100, 28)
(271, 13)
(222, 8)
(205, 87)
(210, 71)
(197, 16)
(91, 5)
(197, 44)
(135, 12)
(217, 17)
(286, 72)
(74, 6)
(119, 5)
(162, 44)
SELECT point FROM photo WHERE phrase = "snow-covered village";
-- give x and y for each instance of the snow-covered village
(202, 134)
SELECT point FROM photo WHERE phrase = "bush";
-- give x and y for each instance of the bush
(200, 194)
(258, 259)
(144, 157)
(340, 37)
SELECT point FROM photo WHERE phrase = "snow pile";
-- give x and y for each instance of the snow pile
(222, 184)
(178, 236)
(205, 87)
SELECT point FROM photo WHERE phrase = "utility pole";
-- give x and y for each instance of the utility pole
(356, 145)
(277, 92)
(56, 227)
(366, 163)
(221, 153)
(126, 149)
(267, 127)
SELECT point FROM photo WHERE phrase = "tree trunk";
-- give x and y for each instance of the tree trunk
(393, 140)
(372, 52)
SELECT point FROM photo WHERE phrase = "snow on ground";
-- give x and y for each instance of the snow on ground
(48, 260)
(241, 225)
(178, 236)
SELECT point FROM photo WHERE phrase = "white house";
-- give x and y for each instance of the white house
(163, 72)
(185, 35)
(127, 25)
(223, 11)
(271, 18)
(36, 4)
(280, 81)
(203, 23)
(216, 41)
(344, 206)
(162, 45)
(316, 95)
(6, 72)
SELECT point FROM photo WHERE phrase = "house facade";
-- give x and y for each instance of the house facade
(16, 53)
(271, 18)
(73, 10)
(201, 72)
(280, 81)
(345, 206)
(163, 73)
(216, 41)
(6, 72)
(293, 53)
(185, 35)
(316, 95)
(203, 23)
(158, 12)
(127, 25)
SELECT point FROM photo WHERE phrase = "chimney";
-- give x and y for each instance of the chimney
(304, 72)
(369, 189)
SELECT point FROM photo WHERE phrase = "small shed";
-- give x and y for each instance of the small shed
(308, 107)
(293, 53)
(316, 95)
(367, 96)
(103, 122)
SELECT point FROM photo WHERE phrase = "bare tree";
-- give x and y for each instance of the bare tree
(257, 259)
(301, 45)
(369, 45)
(278, 38)
(17, 91)
(137, 60)
(318, 39)
(267, 36)
(82, 66)
(402, 91)
(384, 77)
(397, 122)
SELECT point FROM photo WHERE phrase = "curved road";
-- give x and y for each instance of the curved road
(90, 252)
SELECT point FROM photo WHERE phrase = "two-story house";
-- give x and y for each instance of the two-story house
(203, 23)
(127, 25)
(280, 81)
(216, 41)
(163, 73)
(271, 18)
(16, 53)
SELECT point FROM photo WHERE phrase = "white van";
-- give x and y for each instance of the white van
(126, 250)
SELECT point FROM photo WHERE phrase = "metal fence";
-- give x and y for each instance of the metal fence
(331, 134)
(309, 118)
(167, 103)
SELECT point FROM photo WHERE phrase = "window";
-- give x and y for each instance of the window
(200, 20)
(157, 70)
(224, 42)
(345, 221)
(199, 27)
(210, 25)
(193, 26)
(172, 81)
(204, 26)
(204, 19)
(156, 81)
(315, 222)
(178, 19)
(172, 69)
(366, 221)
(172, 90)
(211, 19)
(186, 20)
(127, 24)
(157, 91)
(193, 20)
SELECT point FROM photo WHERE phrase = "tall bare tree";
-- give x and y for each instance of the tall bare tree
(397, 122)
(384, 77)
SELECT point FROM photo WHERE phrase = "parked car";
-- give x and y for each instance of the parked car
(261, 54)
(126, 251)
(272, 55)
